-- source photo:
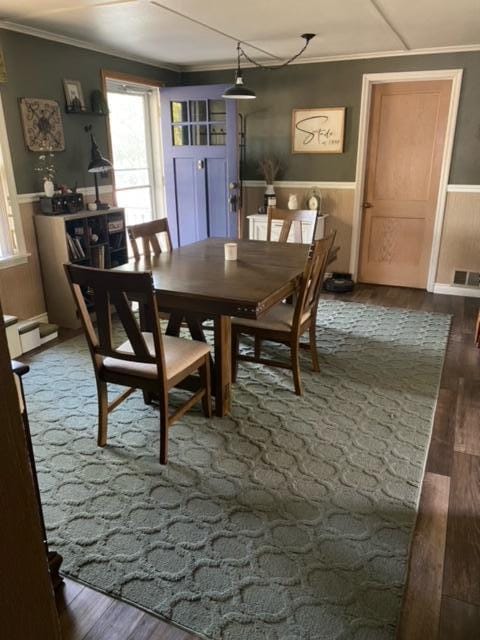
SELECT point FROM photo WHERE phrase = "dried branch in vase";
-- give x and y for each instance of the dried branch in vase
(269, 168)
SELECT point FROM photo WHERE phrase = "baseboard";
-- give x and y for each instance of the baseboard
(456, 290)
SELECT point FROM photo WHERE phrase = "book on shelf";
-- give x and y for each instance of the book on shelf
(75, 248)
(79, 247)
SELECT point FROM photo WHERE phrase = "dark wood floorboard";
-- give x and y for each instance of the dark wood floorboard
(442, 600)
(459, 620)
(440, 456)
(462, 556)
(423, 594)
(117, 622)
(82, 613)
(467, 423)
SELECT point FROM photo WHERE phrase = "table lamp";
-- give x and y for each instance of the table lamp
(98, 164)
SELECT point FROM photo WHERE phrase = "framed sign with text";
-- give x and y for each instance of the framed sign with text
(318, 130)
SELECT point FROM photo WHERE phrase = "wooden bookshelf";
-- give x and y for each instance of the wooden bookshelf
(92, 238)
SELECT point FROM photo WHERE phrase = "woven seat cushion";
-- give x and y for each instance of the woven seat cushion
(279, 318)
(179, 354)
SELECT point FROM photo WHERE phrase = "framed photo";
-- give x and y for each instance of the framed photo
(74, 95)
(42, 124)
(318, 130)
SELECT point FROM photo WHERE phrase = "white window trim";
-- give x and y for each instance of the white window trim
(21, 256)
(154, 142)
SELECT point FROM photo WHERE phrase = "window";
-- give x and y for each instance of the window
(198, 122)
(134, 132)
(12, 247)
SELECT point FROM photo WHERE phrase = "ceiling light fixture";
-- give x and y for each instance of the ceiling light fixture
(239, 91)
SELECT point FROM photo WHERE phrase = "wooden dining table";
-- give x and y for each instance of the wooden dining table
(195, 282)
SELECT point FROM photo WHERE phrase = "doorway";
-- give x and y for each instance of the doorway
(405, 142)
(200, 148)
(136, 148)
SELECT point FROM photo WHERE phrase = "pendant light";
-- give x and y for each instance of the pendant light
(239, 91)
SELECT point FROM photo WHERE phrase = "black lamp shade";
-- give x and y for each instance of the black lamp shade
(239, 91)
(98, 164)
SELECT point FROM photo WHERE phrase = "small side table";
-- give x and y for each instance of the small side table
(54, 559)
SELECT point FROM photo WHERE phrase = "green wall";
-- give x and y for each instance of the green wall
(333, 84)
(36, 68)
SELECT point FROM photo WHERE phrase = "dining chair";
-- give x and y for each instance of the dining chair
(149, 234)
(149, 361)
(289, 217)
(286, 323)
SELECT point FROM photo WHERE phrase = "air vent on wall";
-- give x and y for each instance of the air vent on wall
(466, 278)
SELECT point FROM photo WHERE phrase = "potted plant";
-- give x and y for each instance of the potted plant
(45, 168)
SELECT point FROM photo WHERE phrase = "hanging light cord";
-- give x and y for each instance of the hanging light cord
(240, 52)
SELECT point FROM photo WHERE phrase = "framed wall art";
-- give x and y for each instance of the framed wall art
(318, 130)
(42, 124)
(74, 95)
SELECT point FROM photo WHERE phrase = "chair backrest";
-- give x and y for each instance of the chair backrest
(287, 217)
(312, 279)
(107, 290)
(148, 232)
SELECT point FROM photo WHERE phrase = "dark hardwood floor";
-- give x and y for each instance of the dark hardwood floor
(442, 599)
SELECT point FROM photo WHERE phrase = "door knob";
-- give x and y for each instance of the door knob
(200, 165)
(367, 205)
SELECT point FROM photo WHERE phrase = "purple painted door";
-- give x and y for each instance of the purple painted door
(199, 131)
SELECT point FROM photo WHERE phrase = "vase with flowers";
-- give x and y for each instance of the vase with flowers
(45, 169)
(269, 168)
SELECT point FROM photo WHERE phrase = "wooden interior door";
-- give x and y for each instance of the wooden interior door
(406, 139)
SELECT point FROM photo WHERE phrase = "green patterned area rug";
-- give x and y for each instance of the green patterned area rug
(288, 520)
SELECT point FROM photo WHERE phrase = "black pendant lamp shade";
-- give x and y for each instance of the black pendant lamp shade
(239, 91)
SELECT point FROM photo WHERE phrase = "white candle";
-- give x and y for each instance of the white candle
(230, 251)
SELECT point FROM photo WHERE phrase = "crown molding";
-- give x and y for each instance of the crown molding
(222, 66)
(82, 44)
(467, 48)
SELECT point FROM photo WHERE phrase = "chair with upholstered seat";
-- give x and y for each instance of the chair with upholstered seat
(148, 361)
(150, 233)
(288, 218)
(286, 323)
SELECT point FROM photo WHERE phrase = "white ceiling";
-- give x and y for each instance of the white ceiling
(202, 33)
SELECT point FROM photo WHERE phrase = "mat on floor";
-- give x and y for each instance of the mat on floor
(289, 519)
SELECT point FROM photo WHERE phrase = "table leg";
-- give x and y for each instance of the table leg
(223, 366)
(174, 324)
